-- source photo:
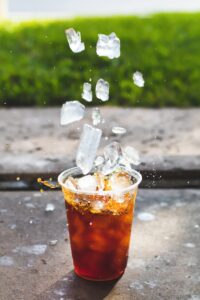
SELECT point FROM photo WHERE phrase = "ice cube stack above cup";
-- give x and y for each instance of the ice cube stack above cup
(110, 169)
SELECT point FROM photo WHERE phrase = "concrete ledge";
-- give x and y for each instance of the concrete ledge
(33, 144)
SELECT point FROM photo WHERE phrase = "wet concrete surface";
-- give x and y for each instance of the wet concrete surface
(31, 139)
(164, 258)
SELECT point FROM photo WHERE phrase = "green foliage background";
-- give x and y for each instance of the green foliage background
(38, 68)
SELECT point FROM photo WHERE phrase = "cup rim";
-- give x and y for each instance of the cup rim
(66, 173)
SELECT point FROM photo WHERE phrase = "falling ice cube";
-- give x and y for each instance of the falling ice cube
(71, 111)
(89, 142)
(118, 130)
(108, 45)
(112, 153)
(102, 90)
(138, 79)
(96, 116)
(74, 40)
(131, 155)
(87, 92)
(99, 161)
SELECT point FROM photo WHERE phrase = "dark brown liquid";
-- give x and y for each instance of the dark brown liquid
(99, 241)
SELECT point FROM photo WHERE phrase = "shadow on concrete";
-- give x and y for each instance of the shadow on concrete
(72, 287)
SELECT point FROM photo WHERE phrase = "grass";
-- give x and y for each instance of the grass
(38, 68)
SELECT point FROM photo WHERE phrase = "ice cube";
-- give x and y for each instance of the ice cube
(138, 79)
(99, 161)
(98, 205)
(50, 207)
(112, 153)
(87, 92)
(96, 116)
(89, 143)
(100, 181)
(118, 130)
(102, 90)
(71, 111)
(87, 183)
(120, 181)
(108, 45)
(74, 40)
(131, 155)
(71, 183)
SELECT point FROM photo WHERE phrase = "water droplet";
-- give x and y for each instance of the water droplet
(34, 249)
(30, 205)
(136, 285)
(53, 242)
(144, 216)
(60, 292)
(189, 245)
(12, 226)
(50, 207)
(27, 198)
(6, 261)
(151, 284)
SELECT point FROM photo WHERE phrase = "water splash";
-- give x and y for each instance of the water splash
(48, 183)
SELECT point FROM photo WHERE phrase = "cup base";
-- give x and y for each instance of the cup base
(99, 279)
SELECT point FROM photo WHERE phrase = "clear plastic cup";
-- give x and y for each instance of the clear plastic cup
(99, 226)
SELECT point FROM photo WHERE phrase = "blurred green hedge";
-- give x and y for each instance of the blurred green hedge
(38, 68)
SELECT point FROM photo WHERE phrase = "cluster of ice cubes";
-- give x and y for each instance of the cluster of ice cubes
(114, 156)
(107, 45)
(97, 182)
(102, 90)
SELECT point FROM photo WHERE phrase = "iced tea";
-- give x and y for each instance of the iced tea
(99, 228)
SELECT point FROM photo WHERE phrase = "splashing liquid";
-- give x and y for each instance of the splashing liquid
(48, 183)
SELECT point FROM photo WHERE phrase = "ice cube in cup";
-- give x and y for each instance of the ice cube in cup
(87, 183)
(119, 181)
(89, 143)
(71, 111)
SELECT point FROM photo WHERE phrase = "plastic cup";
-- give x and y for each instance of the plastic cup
(99, 226)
